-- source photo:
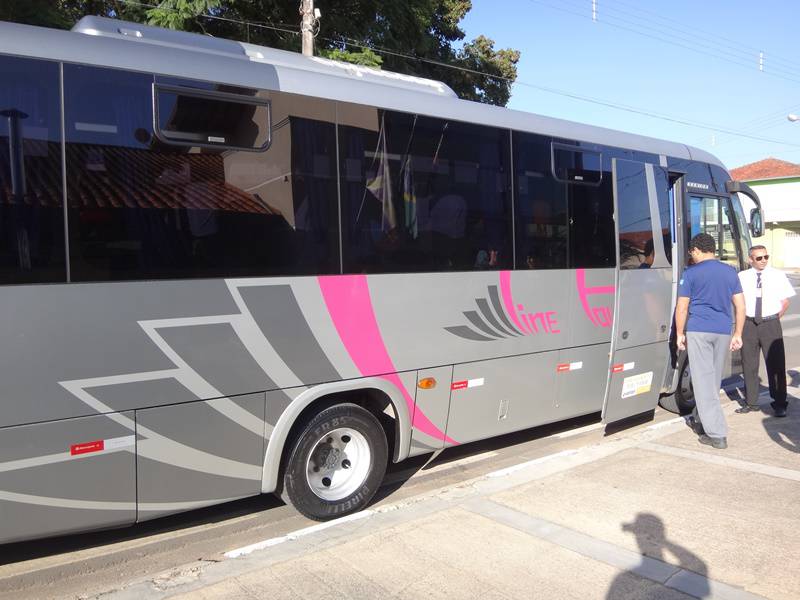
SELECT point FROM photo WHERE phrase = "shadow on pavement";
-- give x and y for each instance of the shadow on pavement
(785, 431)
(653, 543)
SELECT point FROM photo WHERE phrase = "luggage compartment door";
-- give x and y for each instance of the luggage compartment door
(199, 453)
(67, 476)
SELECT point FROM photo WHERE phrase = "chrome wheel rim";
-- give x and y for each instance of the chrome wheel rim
(338, 464)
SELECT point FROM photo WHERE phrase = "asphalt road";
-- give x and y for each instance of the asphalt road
(84, 565)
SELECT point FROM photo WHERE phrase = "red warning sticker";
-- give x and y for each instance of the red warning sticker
(617, 368)
(562, 367)
(87, 447)
(469, 383)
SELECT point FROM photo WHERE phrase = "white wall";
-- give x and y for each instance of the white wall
(780, 201)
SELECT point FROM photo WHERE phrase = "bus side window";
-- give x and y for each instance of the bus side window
(422, 194)
(541, 206)
(144, 208)
(32, 248)
(591, 217)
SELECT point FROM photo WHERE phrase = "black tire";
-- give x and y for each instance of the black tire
(336, 463)
(682, 400)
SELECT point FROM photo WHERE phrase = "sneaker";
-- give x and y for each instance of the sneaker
(743, 410)
(780, 412)
(718, 443)
(696, 425)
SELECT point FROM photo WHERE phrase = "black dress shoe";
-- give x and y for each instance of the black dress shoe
(743, 410)
(718, 443)
(780, 412)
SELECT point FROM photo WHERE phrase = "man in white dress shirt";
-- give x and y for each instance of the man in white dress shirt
(766, 297)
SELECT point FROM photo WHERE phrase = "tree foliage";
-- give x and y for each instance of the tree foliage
(375, 33)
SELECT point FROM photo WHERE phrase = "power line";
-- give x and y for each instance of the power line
(722, 54)
(683, 26)
(583, 98)
(708, 39)
(564, 93)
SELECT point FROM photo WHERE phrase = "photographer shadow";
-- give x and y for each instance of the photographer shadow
(653, 544)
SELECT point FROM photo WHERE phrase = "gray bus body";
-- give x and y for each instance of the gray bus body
(205, 244)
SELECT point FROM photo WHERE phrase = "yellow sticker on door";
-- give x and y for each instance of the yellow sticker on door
(637, 384)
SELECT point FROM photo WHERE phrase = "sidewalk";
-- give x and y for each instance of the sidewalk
(648, 514)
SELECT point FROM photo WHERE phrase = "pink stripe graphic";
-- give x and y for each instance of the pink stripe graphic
(505, 291)
(350, 306)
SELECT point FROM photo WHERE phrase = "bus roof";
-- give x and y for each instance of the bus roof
(119, 44)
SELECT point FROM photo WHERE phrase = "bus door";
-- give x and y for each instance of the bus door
(643, 279)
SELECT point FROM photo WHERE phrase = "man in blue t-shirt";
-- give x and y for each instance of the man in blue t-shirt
(705, 294)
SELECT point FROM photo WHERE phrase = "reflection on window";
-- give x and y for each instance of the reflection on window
(31, 209)
(743, 238)
(591, 233)
(141, 209)
(636, 246)
(727, 245)
(422, 194)
(577, 166)
(541, 206)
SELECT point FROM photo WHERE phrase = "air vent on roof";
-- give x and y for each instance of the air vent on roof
(104, 27)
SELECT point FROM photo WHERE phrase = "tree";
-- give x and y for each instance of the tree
(375, 33)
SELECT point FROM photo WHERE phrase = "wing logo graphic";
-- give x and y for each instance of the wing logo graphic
(498, 317)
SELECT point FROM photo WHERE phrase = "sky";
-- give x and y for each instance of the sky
(682, 61)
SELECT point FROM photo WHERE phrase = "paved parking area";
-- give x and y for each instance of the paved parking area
(643, 513)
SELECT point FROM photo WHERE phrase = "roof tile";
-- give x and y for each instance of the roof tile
(769, 168)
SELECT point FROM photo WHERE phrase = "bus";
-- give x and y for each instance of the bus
(228, 270)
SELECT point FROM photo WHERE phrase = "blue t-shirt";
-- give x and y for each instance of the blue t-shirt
(709, 285)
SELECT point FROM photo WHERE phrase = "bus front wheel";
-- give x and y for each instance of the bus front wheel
(336, 463)
(682, 400)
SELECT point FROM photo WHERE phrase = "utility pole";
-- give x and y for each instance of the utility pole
(307, 26)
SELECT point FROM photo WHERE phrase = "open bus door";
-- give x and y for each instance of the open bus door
(643, 280)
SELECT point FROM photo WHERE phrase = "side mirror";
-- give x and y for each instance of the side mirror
(756, 223)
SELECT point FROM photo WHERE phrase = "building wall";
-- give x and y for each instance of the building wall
(780, 200)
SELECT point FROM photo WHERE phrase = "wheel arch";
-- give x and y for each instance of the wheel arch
(321, 395)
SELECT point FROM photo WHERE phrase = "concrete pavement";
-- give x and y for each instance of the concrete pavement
(643, 513)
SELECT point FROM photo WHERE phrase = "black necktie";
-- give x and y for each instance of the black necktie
(758, 296)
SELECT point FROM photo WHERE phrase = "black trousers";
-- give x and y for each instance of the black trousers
(766, 338)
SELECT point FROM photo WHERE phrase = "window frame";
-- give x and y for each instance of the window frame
(213, 95)
(575, 149)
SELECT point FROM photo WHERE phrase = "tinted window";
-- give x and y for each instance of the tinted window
(422, 194)
(31, 205)
(743, 238)
(591, 217)
(541, 206)
(664, 199)
(143, 209)
(635, 224)
(729, 237)
(208, 119)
